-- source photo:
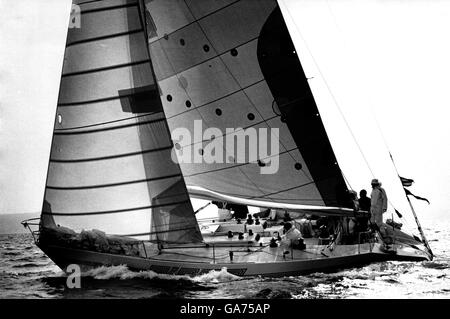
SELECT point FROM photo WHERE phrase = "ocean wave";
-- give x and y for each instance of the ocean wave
(8, 273)
(27, 259)
(215, 276)
(268, 293)
(12, 253)
(27, 265)
(370, 272)
(123, 273)
(391, 280)
(31, 265)
(435, 265)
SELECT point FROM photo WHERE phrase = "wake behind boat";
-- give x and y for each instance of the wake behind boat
(140, 82)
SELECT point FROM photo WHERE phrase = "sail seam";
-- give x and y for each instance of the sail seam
(285, 190)
(206, 60)
(118, 210)
(110, 157)
(114, 184)
(231, 133)
(288, 189)
(104, 37)
(215, 100)
(106, 68)
(196, 20)
(237, 165)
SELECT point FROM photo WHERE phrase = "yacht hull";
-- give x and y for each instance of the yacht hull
(275, 267)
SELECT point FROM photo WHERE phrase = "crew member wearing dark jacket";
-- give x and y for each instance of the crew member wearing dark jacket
(364, 201)
(364, 204)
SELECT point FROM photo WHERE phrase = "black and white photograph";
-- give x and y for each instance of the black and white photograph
(224, 150)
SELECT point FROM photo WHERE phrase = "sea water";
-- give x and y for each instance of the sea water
(26, 272)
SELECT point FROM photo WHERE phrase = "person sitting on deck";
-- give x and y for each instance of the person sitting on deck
(292, 237)
(306, 228)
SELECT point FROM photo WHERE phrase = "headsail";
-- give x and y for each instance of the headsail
(232, 64)
(316, 33)
(110, 163)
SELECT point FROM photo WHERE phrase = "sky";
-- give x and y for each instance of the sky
(380, 66)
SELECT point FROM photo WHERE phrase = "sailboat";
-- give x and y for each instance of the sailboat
(117, 192)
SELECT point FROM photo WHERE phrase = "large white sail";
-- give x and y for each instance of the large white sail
(110, 164)
(232, 64)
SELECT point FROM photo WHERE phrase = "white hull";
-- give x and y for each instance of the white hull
(255, 264)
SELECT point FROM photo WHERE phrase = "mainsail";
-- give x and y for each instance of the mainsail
(233, 64)
(110, 163)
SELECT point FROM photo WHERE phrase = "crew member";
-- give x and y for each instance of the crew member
(364, 201)
(378, 203)
(354, 199)
(362, 222)
(292, 237)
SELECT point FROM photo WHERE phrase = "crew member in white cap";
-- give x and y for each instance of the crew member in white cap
(378, 203)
